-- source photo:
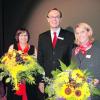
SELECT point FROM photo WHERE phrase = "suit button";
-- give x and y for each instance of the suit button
(54, 62)
(53, 53)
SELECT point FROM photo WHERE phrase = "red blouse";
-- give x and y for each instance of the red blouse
(22, 86)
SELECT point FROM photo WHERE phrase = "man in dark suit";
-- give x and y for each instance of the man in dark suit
(54, 45)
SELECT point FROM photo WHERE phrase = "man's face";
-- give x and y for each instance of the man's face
(54, 18)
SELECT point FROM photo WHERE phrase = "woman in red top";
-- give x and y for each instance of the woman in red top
(26, 91)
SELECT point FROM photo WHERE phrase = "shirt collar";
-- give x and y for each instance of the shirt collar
(57, 31)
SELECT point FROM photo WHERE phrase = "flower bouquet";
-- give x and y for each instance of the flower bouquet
(16, 65)
(70, 84)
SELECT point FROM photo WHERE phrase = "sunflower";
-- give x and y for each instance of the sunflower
(69, 84)
(79, 94)
(66, 91)
(82, 92)
(60, 80)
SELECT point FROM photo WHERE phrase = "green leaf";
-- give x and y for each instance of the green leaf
(2, 74)
(40, 69)
(49, 90)
(96, 91)
(63, 66)
(55, 73)
(8, 80)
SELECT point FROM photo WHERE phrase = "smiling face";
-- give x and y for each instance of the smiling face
(83, 32)
(54, 18)
(23, 37)
(82, 35)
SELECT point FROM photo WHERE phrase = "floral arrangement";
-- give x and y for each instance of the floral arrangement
(70, 84)
(16, 65)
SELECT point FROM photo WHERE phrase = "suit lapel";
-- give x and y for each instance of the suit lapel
(49, 41)
(59, 41)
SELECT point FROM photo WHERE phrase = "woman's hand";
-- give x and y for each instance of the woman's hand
(96, 82)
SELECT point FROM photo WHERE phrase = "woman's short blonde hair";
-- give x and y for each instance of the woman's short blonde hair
(86, 27)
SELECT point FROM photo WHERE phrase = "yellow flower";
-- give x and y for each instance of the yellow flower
(78, 75)
(66, 91)
(61, 79)
(69, 85)
(15, 62)
(79, 94)
(82, 92)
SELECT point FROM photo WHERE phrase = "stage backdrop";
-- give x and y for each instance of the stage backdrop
(31, 14)
(1, 30)
(74, 11)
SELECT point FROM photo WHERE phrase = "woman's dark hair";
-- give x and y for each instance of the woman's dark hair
(21, 30)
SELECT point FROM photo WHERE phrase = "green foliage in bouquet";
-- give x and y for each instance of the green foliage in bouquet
(70, 83)
(16, 65)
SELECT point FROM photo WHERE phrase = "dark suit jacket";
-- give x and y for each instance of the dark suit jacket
(49, 57)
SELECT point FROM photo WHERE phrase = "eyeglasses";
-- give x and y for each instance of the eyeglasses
(23, 35)
(54, 17)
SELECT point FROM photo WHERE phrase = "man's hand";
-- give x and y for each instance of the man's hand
(41, 87)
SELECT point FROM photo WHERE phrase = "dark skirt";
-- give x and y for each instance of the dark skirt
(2, 89)
(30, 90)
(11, 94)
